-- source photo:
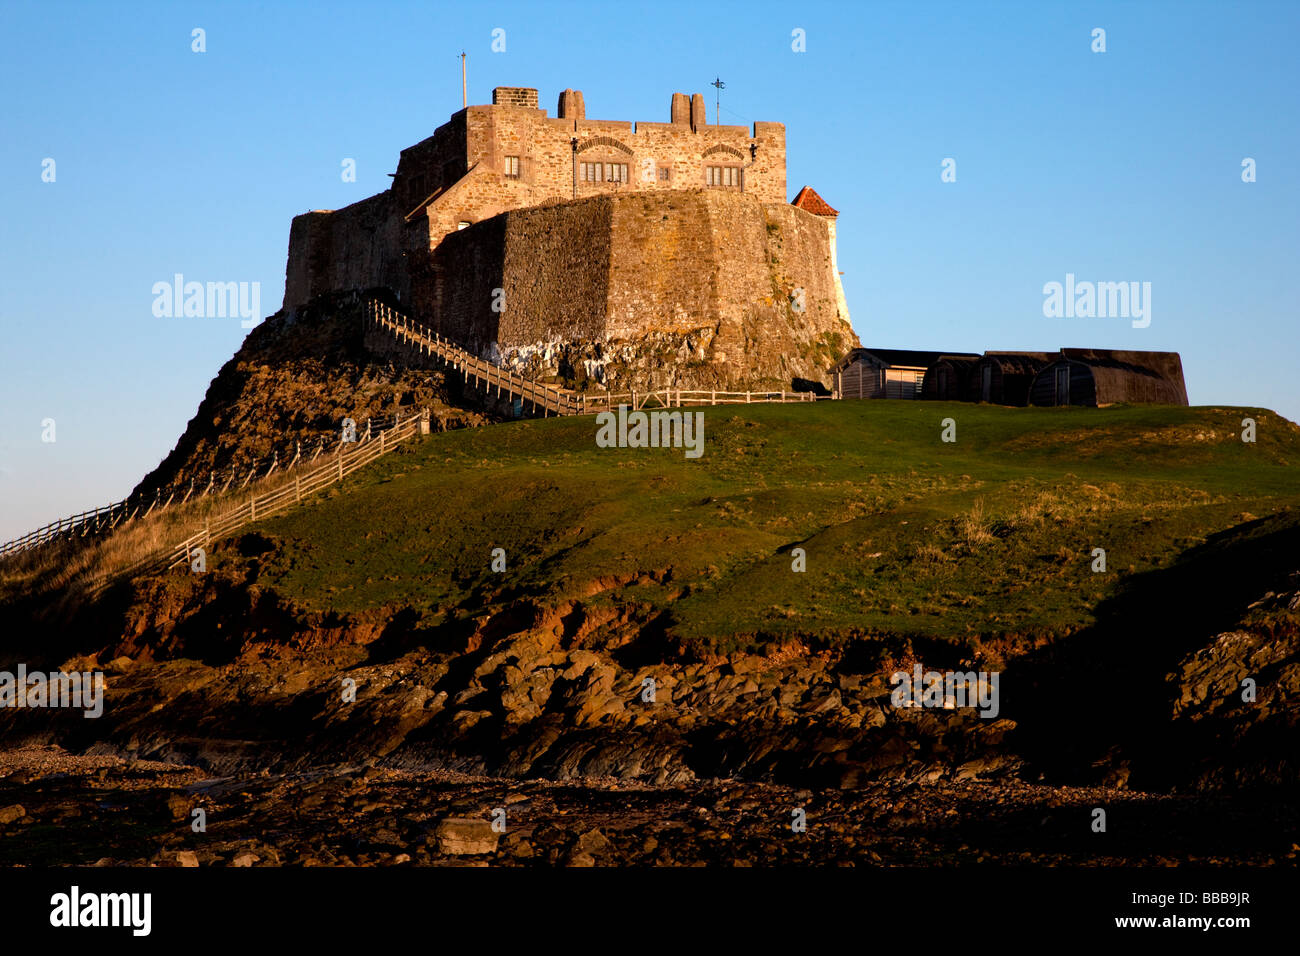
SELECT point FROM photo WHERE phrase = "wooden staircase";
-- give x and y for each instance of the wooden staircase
(548, 399)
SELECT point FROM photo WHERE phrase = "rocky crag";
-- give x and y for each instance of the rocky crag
(296, 377)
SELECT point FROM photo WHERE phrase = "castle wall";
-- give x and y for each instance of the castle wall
(545, 148)
(776, 286)
(663, 264)
(705, 272)
(673, 289)
(659, 156)
(359, 246)
(551, 265)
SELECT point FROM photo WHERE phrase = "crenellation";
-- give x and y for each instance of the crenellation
(524, 96)
(437, 234)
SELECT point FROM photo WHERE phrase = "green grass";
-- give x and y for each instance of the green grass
(985, 540)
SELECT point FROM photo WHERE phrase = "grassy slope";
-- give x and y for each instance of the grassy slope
(988, 539)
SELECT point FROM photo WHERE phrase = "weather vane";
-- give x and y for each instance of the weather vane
(717, 100)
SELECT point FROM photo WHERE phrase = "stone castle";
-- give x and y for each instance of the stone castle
(651, 254)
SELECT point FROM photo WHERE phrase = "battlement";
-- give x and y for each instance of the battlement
(524, 96)
(510, 155)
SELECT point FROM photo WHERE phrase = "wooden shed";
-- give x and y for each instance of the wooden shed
(1004, 378)
(948, 379)
(1105, 377)
(885, 373)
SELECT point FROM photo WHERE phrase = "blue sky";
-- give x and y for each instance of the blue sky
(1115, 166)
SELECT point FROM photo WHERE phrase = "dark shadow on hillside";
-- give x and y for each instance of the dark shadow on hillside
(1102, 695)
(1227, 827)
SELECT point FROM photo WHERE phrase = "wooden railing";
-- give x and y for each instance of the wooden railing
(349, 458)
(549, 399)
(552, 399)
(684, 397)
(110, 517)
(478, 372)
(79, 525)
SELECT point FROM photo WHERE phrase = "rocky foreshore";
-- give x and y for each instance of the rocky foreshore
(61, 809)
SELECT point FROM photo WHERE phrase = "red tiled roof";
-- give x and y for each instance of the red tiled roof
(809, 200)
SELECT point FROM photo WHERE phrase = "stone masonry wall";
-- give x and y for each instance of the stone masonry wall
(656, 280)
(457, 172)
(357, 247)
(697, 288)
(551, 265)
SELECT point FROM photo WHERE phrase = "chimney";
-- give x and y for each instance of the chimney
(698, 122)
(515, 96)
(680, 111)
(571, 106)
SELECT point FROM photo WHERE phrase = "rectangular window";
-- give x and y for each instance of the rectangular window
(418, 188)
(512, 167)
(665, 173)
(604, 172)
(722, 177)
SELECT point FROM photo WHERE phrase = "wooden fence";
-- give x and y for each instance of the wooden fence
(477, 372)
(334, 469)
(120, 513)
(552, 399)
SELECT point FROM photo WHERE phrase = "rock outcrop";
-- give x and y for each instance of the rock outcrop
(294, 379)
